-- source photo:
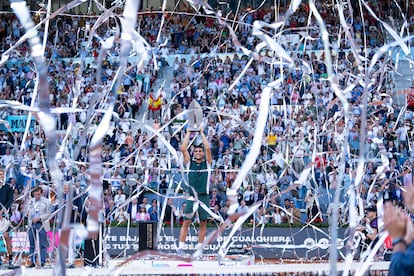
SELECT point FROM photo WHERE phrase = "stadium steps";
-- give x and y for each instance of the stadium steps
(142, 115)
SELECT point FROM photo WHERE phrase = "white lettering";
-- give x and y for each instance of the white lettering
(167, 246)
(191, 239)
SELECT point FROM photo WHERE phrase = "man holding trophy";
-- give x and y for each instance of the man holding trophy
(198, 167)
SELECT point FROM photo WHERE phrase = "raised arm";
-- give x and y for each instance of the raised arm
(184, 146)
(207, 148)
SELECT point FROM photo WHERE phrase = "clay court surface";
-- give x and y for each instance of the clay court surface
(240, 265)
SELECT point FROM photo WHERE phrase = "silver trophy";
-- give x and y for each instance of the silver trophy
(195, 116)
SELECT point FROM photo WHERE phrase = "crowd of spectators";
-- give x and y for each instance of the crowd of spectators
(305, 126)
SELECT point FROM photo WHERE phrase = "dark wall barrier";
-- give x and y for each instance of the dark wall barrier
(147, 235)
(289, 243)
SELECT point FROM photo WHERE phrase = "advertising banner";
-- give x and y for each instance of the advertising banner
(289, 243)
(283, 243)
(18, 123)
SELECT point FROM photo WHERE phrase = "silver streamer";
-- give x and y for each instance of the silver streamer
(126, 42)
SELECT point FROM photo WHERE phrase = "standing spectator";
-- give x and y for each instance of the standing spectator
(6, 200)
(369, 227)
(143, 215)
(313, 209)
(180, 213)
(388, 191)
(298, 153)
(38, 212)
(190, 35)
(154, 211)
(119, 198)
(242, 208)
(170, 215)
(393, 173)
(121, 215)
(286, 180)
(77, 206)
(224, 210)
(131, 180)
(279, 159)
(216, 210)
(407, 176)
(353, 140)
(256, 194)
(83, 155)
(260, 215)
(83, 178)
(248, 195)
(145, 203)
(217, 180)
(16, 216)
(115, 180)
(110, 211)
(277, 215)
(7, 158)
(292, 213)
(133, 209)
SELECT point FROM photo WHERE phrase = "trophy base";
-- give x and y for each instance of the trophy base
(194, 129)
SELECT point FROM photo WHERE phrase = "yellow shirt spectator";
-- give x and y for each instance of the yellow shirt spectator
(271, 139)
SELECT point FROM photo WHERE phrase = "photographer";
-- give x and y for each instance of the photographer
(369, 227)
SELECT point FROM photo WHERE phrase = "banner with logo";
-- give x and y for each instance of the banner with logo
(17, 123)
(289, 243)
(283, 243)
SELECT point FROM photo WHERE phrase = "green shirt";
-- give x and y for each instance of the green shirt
(198, 177)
